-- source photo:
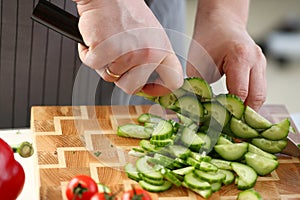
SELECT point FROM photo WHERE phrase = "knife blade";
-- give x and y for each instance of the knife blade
(66, 24)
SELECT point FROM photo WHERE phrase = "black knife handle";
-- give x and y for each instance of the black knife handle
(57, 19)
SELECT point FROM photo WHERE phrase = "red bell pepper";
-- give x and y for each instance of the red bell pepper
(12, 176)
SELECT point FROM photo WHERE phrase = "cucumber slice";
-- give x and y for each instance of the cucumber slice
(229, 176)
(242, 130)
(269, 146)
(210, 177)
(189, 106)
(221, 164)
(163, 130)
(218, 112)
(146, 145)
(151, 181)
(184, 171)
(249, 194)
(200, 156)
(198, 86)
(132, 172)
(255, 120)
(254, 149)
(216, 186)
(150, 118)
(207, 142)
(194, 182)
(148, 171)
(262, 165)
(206, 166)
(133, 130)
(277, 131)
(170, 176)
(169, 100)
(223, 140)
(155, 188)
(232, 103)
(233, 151)
(162, 160)
(179, 151)
(190, 139)
(205, 193)
(246, 175)
(161, 143)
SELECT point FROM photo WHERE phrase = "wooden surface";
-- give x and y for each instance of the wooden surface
(66, 139)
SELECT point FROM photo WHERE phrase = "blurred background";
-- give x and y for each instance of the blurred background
(275, 26)
(38, 66)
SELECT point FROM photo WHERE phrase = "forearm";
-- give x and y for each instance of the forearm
(232, 10)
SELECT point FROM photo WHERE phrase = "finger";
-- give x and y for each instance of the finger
(237, 78)
(170, 77)
(258, 84)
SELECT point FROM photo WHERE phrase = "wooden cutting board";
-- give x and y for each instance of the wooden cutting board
(67, 139)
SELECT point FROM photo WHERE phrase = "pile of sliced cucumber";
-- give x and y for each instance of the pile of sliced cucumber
(216, 141)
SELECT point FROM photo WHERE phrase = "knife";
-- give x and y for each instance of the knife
(66, 24)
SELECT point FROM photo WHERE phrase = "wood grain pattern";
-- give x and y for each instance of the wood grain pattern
(65, 138)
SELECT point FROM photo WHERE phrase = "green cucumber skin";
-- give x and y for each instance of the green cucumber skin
(133, 131)
(255, 120)
(233, 104)
(241, 129)
(231, 152)
(198, 86)
(277, 131)
(269, 146)
(262, 165)
(249, 194)
(247, 176)
(155, 188)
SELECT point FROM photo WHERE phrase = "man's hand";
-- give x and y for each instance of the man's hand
(127, 39)
(221, 30)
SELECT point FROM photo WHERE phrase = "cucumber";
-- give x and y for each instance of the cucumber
(233, 151)
(155, 188)
(170, 176)
(210, 177)
(221, 164)
(162, 160)
(151, 181)
(169, 100)
(229, 176)
(218, 112)
(161, 143)
(249, 194)
(146, 145)
(262, 165)
(242, 130)
(179, 151)
(232, 103)
(148, 171)
(134, 131)
(223, 140)
(216, 186)
(205, 193)
(206, 166)
(277, 131)
(195, 182)
(254, 149)
(246, 175)
(184, 171)
(269, 146)
(207, 142)
(255, 120)
(150, 118)
(189, 106)
(132, 172)
(198, 86)
(163, 130)
(200, 156)
(190, 139)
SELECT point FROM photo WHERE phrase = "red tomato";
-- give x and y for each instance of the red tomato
(81, 187)
(103, 196)
(136, 194)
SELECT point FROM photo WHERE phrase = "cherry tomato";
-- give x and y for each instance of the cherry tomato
(136, 194)
(81, 187)
(103, 196)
